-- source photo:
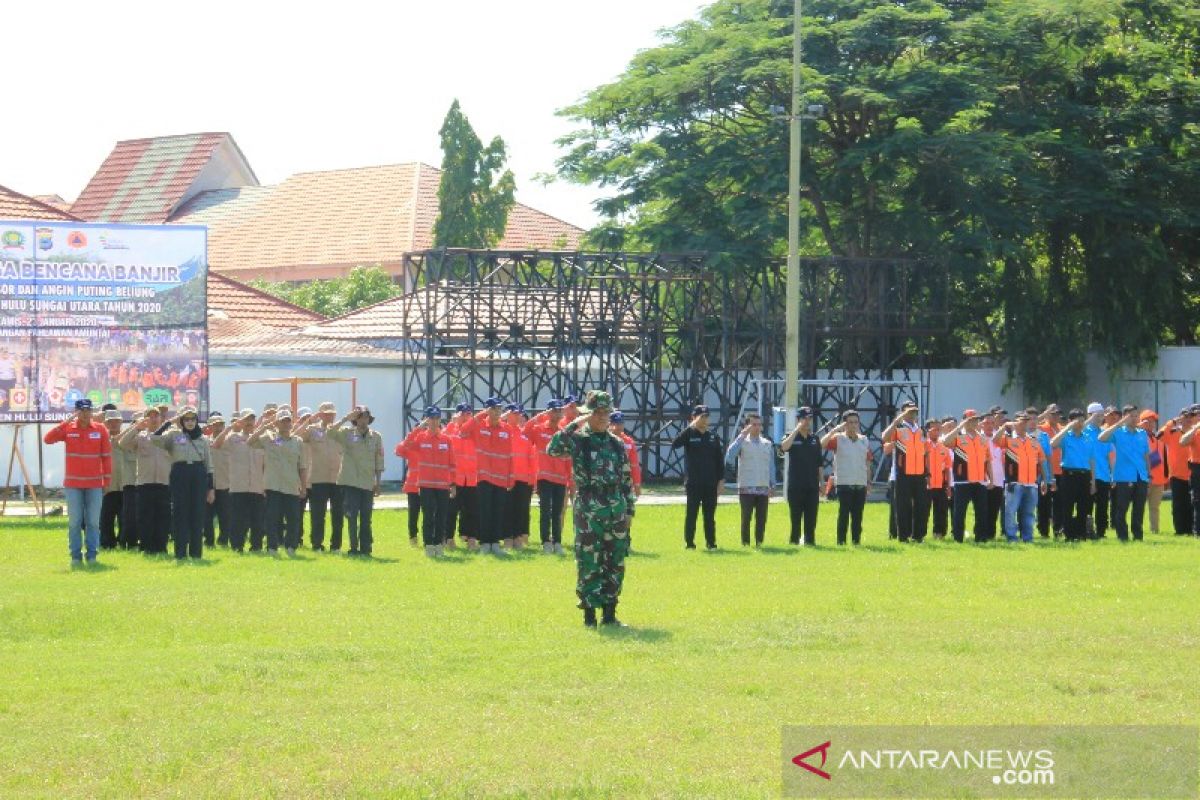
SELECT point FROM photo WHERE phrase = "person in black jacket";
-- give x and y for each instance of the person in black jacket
(805, 455)
(704, 463)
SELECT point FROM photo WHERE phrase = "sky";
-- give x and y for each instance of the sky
(347, 85)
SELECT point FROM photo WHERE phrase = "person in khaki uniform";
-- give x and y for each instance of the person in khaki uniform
(128, 539)
(325, 464)
(112, 523)
(153, 479)
(362, 467)
(245, 476)
(219, 510)
(191, 480)
(286, 479)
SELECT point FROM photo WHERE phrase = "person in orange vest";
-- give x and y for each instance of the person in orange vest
(1148, 421)
(617, 421)
(910, 496)
(972, 469)
(1178, 471)
(412, 490)
(493, 446)
(1190, 440)
(994, 419)
(88, 470)
(939, 474)
(430, 455)
(524, 470)
(1026, 475)
(553, 475)
(464, 504)
(1050, 510)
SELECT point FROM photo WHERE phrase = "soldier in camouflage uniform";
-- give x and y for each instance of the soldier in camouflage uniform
(603, 506)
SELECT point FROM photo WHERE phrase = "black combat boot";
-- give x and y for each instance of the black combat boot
(589, 617)
(610, 615)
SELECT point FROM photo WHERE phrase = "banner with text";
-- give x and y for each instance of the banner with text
(112, 313)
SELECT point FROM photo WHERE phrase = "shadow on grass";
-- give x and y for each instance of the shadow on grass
(888, 549)
(635, 633)
(195, 562)
(724, 551)
(371, 560)
(99, 566)
(642, 554)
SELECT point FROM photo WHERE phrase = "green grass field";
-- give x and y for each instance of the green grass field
(323, 676)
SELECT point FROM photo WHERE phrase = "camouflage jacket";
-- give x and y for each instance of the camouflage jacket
(599, 464)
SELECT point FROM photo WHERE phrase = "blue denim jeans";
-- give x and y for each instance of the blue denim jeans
(1020, 509)
(83, 513)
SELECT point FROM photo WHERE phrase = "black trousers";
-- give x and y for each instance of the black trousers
(803, 503)
(912, 507)
(995, 504)
(189, 507)
(891, 498)
(129, 521)
(939, 511)
(1129, 498)
(1181, 506)
(414, 513)
(491, 512)
(154, 516)
(700, 498)
(283, 520)
(110, 518)
(851, 501)
(1101, 505)
(435, 506)
(754, 506)
(551, 498)
(1195, 482)
(217, 520)
(517, 510)
(976, 495)
(359, 505)
(464, 513)
(243, 513)
(322, 497)
(1073, 495)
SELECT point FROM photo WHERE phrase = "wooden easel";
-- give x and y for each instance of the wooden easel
(16, 457)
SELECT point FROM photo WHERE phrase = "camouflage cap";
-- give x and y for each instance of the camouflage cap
(597, 400)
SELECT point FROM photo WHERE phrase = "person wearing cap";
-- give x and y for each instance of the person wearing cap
(217, 524)
(430, 455)
(325, 462)
(971, 466)
(852, 474)
(1027, 474)
(909, 457)
(754, 456)
(524, 472)
(111, 523)
(241, 461)
(604, 506)
(1103, 456)
(191, 481)
(1077, 460)
(1049, 508)
(493, 439)
(286, 479)
(805, 457)
(153, 481)
(1131, 472)
(1190, 440)
(1178, 470)
(617, 420)
(553, 475)
(87, 471)
(940, 481)
(412, 491)
(1148, 421)
(463, 515)
(362, 469)
(704, 469)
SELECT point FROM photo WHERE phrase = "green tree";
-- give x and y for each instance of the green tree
(333, 297)
(474, 196)
(1042, 149)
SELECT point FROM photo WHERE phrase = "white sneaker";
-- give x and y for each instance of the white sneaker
(558, 548)
(548, 547)
(430, 550)
(440, 550)
(291, 551)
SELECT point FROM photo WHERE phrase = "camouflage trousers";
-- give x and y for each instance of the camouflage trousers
(601, 544)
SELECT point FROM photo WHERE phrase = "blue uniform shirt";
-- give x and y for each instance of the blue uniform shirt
(1100, 452)
(1132, 448)
(1076, 450)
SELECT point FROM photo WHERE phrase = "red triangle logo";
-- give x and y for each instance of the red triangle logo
(823, 749)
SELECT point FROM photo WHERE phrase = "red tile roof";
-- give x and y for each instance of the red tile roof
(14, 205)
(144, 180)
(239, 302)
(322, 224)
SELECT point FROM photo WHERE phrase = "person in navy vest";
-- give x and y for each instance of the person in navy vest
(704, 465)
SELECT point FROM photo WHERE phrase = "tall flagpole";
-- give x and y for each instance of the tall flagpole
(791, 394)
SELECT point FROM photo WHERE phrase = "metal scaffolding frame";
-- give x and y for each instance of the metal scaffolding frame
(660, 332)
